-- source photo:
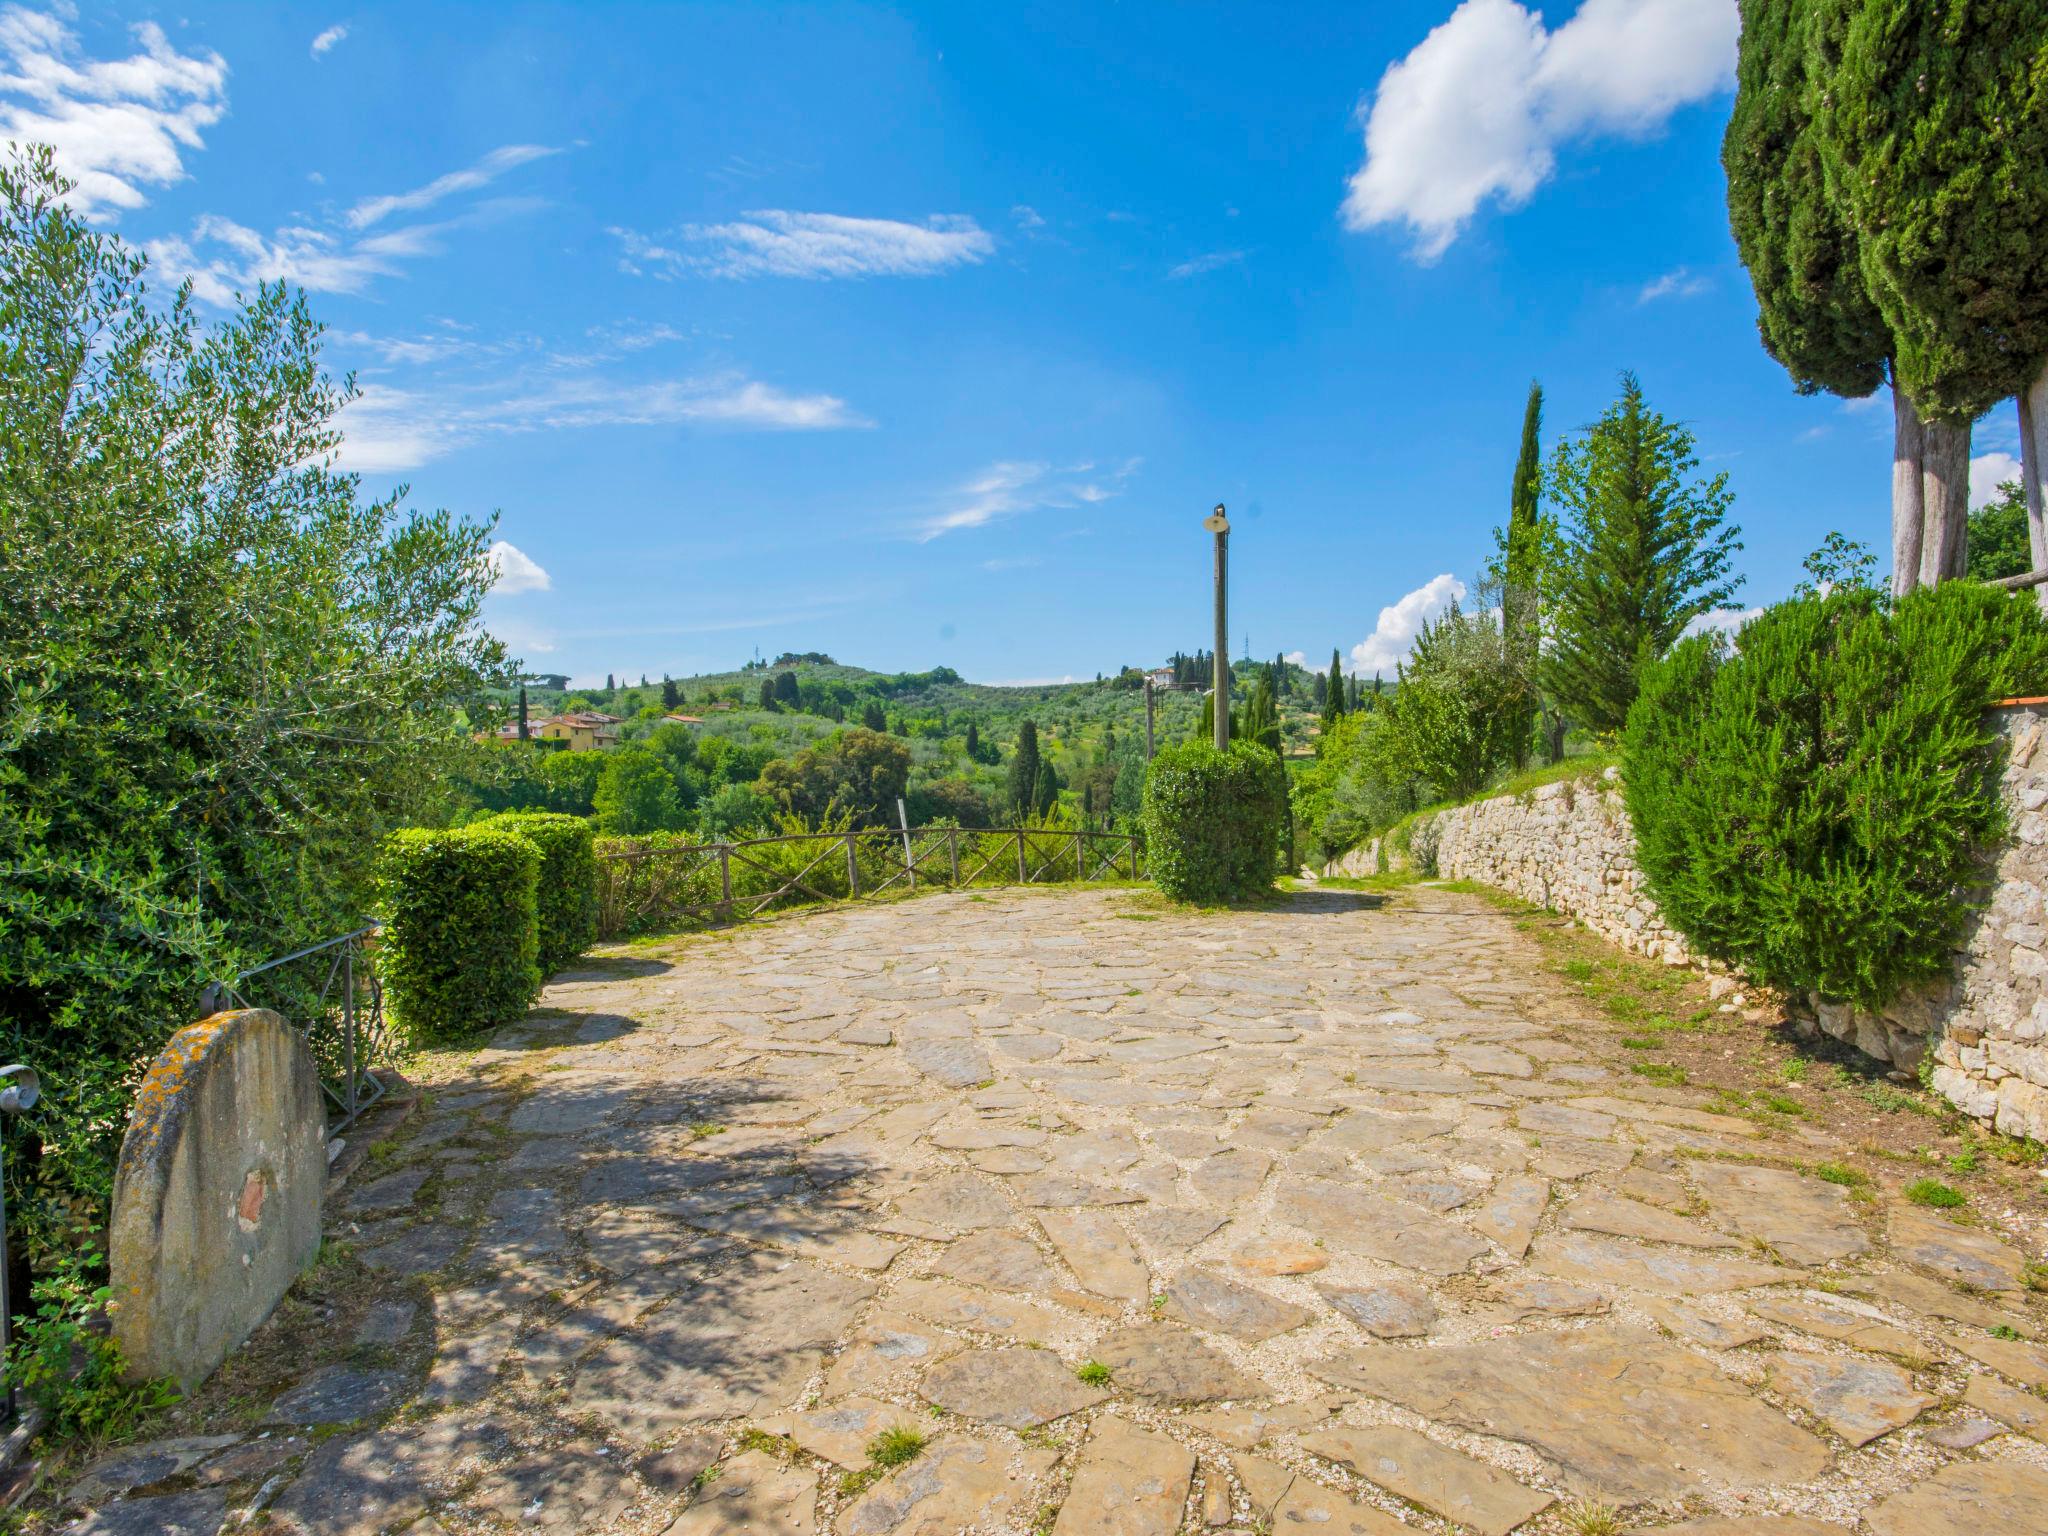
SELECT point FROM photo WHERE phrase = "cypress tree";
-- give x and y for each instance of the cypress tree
(785, 687)
(1337, 702)
(1521, 597)
(872, 717)
(1933, 128)
(973, 743)
(768, 693)
(524, 733)
(1644, 554)
(1262, 717)
(1023, 778)
(609, 685)
(671, 696)
(1045, 789)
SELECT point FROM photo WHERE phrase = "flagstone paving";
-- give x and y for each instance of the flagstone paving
(1319, 1219)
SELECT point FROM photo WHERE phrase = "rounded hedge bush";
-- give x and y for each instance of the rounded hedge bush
(1214, 820)
(1815, 805)
(566, 900)
(460, 944)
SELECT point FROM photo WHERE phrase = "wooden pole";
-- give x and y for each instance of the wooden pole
(1149, 748)
(852, 868)
(953, 852)
(725, 879)
(1222, 685)
(1022, 878)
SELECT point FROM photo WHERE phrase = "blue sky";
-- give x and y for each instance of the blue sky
(927, 334)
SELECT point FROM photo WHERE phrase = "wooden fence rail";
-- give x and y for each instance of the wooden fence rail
(662, 882)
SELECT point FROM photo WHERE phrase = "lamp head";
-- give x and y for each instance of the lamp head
(1216, 522)
(19, 1089)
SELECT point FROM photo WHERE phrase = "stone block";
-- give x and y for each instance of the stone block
(217, 1197)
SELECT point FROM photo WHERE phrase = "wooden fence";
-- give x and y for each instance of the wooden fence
(659, 883)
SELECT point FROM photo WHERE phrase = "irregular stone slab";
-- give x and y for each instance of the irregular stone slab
(1173, 1230)
(1386, 1311)
(2024, 1363)
(1561, 1120)
(1282, 1500)
(1208, 1300)
(1625, 1415)
(570, 1489)
(419, 1251)
(957, 1200)
(336, 1395)
(2022, 1410)
(1437, 1190)
(138, 1466)
(1362, 1130)
(1966, 1498)
(1131, 1482)
(882, 1354)
(1858, 1399)
(754, 1495)
(1745, 1525)
(1509, 1215)
(386, 1323)
(1804, 1220)
(1097, 1251)
(1845, 1326)
(175, 1514)
(744, 1345)
(1977, 1259)
(1377, 1225)
(1669, 1114)
(841, 1431)
(1058, 1190)
(1002, 1261)
(1631, 1218)
(1016, 1388)
(981, 1138)
(393, 1192)
(813, 1232)
(677, 1469)
(955, 1063)
(1930, 1298)
(1267, 1256)
(959, 1306)
(1230, 1178)
(1528, 1296)
(1247, 1427)
(1604, 1261)
(1688, 1322)
(957, 1485)
(1492, 1060)
(1156, 1360)
(353, 1488)
(1464, 1491)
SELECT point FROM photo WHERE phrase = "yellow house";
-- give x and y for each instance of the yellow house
(580, 732)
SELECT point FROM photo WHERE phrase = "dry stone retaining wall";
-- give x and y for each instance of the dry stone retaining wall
(1569, 847)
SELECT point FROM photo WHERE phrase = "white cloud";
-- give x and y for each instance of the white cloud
(1388, 645)
(372, 210)
(777, 243)
(1728, 621)
(1679, 283)
(1298, 658)
(1027, 217)
(1988, 471)
(387, 429)
(1011, 486)
(517, 571)
(115, 126)
(1478, 109)
(1195, 266)
(328, 39)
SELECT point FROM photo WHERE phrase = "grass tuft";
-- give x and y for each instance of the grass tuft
(1935, 1193)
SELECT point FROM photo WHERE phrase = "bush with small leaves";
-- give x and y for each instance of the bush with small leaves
(1214, 821)
(460, 945)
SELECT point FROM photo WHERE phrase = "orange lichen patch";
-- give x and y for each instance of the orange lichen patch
(173, 1068)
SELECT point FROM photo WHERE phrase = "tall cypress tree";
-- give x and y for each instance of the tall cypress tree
(525, 733)
(1334, 702)
(1023, 778)
(1521, 568)
(1644, 554)
(1045, 789)
(1932, 121)
(973, 742)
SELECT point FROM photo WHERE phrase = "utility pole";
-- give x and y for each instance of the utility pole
(1219, 525)
(1148, 717)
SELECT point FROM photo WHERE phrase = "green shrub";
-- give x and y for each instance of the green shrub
(1214, 820)
(72, 1369)
(566, 899)
(461, 943)
(1815, 806)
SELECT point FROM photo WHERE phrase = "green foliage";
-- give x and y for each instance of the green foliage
(461, 942)
(223, 675)
(1213, 820)
(1463, 709)
(1932, 121)
(636, 792)
(858, 771)
(1839, 562)
(71, 1368)
(1262, 718)
(1814, 309)
(1023, 779)
(1644, 554)
(731, 810)
(565, 900)
(894, 1447)
(1809, 808)
(1934, 1193)
(1998, 536)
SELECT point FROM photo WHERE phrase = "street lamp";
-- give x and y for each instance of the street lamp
(19, 1090)
(1219, 525)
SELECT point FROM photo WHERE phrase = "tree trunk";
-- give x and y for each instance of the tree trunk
(1945, 497)
(2033, 464)
(1907, 505)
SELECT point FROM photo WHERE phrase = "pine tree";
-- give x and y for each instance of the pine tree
(525, 733)
(1024, 764)
(1644, 554)
(1932, 122)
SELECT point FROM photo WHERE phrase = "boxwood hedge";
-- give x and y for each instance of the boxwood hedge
(1214, 821)
(460, 945)
(566, 899)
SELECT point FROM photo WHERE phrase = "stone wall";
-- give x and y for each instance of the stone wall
(1569, 847)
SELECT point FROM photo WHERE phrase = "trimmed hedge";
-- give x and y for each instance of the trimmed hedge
(566, 900)
(1214, 821)
(1815, 807)
(460, 945)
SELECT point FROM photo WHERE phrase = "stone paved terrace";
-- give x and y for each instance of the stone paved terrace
(1349, 1229)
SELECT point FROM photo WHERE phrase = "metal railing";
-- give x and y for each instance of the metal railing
(329, 992)
(665, 883)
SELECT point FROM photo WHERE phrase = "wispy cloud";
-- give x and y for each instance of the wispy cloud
(1012, 486)
(1195, 266)
(373, 210)
(1679, 283)
(388, 428)
(1726, 621)
(1989, 471)
(328, 39)
(116, 126)
(516, 571)
(1400, 622)
(1479, 109)
(778, 243)
(1027, 217)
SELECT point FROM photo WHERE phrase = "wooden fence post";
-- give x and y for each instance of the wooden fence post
(725, 880)
(1022, 878)
(852, 869)
(953, 852)
(1080, 857)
